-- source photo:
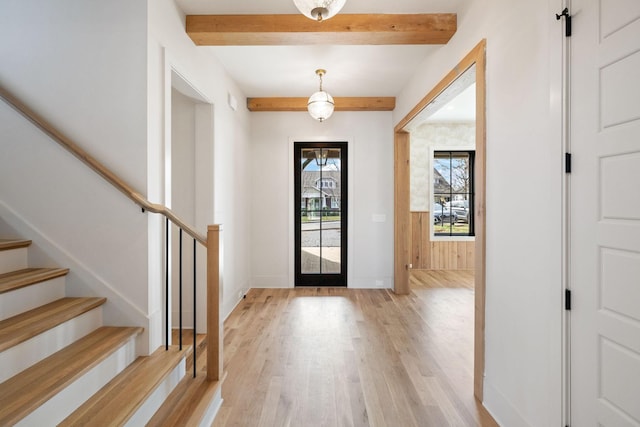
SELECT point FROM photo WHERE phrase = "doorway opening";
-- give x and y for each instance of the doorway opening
(189, 191)
(462, 207)
(320, 217)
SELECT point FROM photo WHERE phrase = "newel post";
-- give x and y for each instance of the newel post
(214, 326)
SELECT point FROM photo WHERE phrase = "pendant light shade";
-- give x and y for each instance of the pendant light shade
(320, 104)
(319, 9)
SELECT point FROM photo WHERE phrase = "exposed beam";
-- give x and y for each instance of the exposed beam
(342, 29)
(341, 104)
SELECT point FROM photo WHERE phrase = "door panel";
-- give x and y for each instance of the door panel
(321, 213)
(605, 213)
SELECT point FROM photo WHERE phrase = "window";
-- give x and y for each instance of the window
(453, 193)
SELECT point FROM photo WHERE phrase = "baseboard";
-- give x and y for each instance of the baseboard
(81, 280)
(501, 409)
(370, 283)
(228, 308)
(282, 282)
(268, 282)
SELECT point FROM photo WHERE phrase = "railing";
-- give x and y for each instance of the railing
(210, 242)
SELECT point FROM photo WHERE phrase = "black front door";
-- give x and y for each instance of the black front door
(320, 213)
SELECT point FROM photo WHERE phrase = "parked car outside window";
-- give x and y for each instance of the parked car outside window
(460, 209)
(443, 214)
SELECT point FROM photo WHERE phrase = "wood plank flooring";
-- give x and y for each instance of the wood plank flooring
(343, 357)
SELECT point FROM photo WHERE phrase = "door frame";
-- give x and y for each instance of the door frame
(290, 230)
(175, 78)
(402, 231)
(339, 280)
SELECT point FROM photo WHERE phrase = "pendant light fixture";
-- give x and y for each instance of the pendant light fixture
(319, 9)
(320, 104)
(321, 157)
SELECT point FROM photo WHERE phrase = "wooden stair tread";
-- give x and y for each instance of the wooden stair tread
(187, 339)
(28, 276)
(7, 244)
(24, 326)
(26, 391)
(188, 402)
(117, 401)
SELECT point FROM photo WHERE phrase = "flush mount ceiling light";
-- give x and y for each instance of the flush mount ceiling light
(320, 104)
(319, 9)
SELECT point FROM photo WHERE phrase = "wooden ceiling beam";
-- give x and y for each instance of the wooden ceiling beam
(342, 29)
(341, 104)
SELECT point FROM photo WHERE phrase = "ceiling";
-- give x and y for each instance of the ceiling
(289, 71)
(455, 104)
(462, 108)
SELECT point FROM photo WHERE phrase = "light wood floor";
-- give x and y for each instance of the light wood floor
(342, 357)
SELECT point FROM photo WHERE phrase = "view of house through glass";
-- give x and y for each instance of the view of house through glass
(320, 214)
(453, 193)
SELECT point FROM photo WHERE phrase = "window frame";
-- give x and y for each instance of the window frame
(471, 151)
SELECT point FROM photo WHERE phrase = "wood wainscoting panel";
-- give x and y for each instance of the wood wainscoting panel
(437, 255)
(420, 242)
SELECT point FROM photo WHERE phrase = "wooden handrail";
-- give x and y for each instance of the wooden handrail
(97, 166)
(211, 241)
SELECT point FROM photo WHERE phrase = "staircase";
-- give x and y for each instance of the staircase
(59, 365)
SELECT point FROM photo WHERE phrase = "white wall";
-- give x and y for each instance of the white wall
(370, 137)
(101, 72)
(183, 149)
(222, 179)
(524, 170)
(81, 65)
(183, 200)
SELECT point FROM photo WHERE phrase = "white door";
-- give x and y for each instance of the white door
(605, 213)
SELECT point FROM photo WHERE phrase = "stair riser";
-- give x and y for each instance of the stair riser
(30, 297)
(13, 259)
(151, 405)
(64, 403)
(25, 354)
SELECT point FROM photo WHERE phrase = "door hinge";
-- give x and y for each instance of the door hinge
(567, 162)
(567, 21)
(567, 299)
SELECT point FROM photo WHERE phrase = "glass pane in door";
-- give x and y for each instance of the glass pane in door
(309, 214)
(330, 183)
